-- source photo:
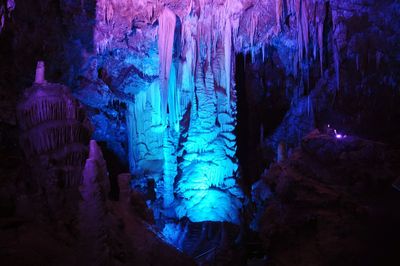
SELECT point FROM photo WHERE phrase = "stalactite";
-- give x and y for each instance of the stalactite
(109, 13)
(188, 65)
(300, 43)
(336, 57)
(319, 27)
(166, 31)
(263, 53)
(218, 65)
(5, 11)
(173, 100)
(321, 45)
(305, 25)
(278, 14)
(228, 56)
(253, 27)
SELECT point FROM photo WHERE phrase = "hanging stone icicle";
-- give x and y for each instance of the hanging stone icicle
(166, 31)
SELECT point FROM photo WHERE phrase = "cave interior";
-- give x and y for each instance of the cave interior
(199, 132)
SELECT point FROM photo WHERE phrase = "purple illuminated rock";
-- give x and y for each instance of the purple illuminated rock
(54, 137)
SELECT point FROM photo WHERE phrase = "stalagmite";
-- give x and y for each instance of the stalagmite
(40, 73)
(93, 209)
(55, 131)
(54, 138)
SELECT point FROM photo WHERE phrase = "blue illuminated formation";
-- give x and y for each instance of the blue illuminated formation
(172, 82)
(190, 151)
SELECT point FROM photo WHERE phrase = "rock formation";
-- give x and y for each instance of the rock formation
(94, 225)
(54, 136)
(322, 208)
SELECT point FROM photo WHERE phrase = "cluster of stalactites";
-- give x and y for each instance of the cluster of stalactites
(5, 11)
(310, 21)
(206, 35)
(216, 27)
(113, 16)
(310, 18)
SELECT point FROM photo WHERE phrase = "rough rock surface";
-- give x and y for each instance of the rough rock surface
(106, 233)
(333, 204)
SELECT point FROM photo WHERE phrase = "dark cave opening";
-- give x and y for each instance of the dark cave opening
(262, 105)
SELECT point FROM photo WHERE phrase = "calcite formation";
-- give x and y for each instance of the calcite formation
(93, 220)
(180, 124)
(54, 133)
